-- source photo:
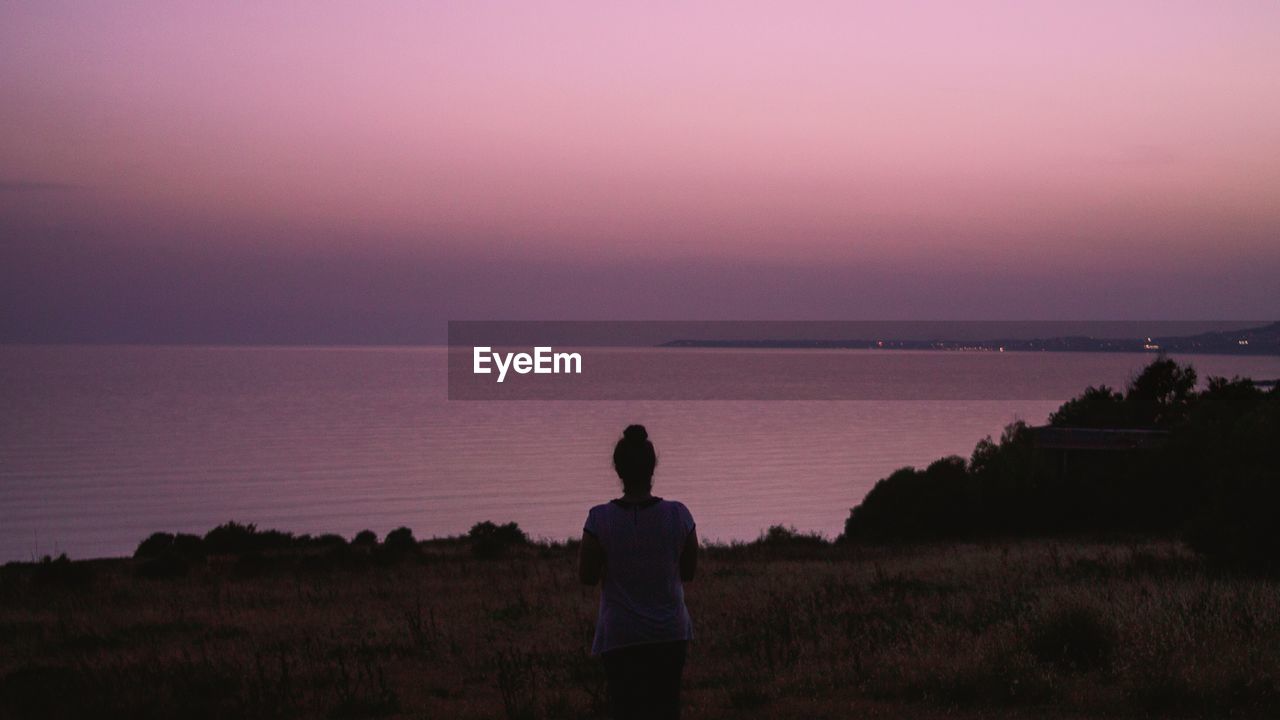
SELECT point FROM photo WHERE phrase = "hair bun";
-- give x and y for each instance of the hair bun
(635, 433)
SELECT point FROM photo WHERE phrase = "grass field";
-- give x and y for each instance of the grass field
(790, 629)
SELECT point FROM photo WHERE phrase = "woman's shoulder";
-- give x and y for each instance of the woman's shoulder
(678, 508)
(597, 519)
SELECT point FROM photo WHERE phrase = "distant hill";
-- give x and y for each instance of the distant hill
(1264, 340)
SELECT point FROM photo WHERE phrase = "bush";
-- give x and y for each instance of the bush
(230, 538)
(400, 540)
(154, 546)
(1216, 479)
(329, 540)
(784, 536)
(161, 544)
(1096, 407)
(490, 541)
(1159, 397)
(189, 546)
(915, 504)
(1227, 461)
(233, 538)
(365, 538)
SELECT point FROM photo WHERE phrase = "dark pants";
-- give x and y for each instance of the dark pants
(644, 680)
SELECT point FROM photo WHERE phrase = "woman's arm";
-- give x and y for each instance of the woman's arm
(689, 556)
(590, 559)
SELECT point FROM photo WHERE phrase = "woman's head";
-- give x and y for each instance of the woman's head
(634, 459)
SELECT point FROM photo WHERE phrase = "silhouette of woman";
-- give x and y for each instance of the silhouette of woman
(641, 549)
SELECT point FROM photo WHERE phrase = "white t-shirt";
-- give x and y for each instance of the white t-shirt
(641, 596)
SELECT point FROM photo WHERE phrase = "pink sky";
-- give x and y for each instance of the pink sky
(1097, 139)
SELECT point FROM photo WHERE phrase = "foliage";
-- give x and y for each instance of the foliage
(1228, 460)
(233, 538)
(1158, 397)
(168, 555)
(1217, 479)
(1095, 407)
(400, 540)
(915, 504)
(489, 540)
(788, 536)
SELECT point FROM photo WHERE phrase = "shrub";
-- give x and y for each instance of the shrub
(329, 540)
(1216, 479)
(365, 538)
(1161, 395)
(1095, 407)
(915, 504)
(189, 546)
(489, 540)
(400, 540)
(233, 538)
(1226, 461)
(784, 536)
(230, 538)
(154, 546)
(161, 544)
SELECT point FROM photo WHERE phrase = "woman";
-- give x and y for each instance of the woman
(640, 548)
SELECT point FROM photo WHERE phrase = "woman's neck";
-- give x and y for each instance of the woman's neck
(638, 496)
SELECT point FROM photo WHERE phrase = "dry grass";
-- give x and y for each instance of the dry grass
(1020, 629)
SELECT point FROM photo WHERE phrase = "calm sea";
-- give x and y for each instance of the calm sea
(100, 446)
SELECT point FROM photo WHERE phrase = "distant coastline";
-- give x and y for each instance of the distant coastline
(1263, 340)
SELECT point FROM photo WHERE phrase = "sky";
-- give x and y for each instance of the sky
(363, 172)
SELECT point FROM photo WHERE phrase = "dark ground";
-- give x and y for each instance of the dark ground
(785, 630)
